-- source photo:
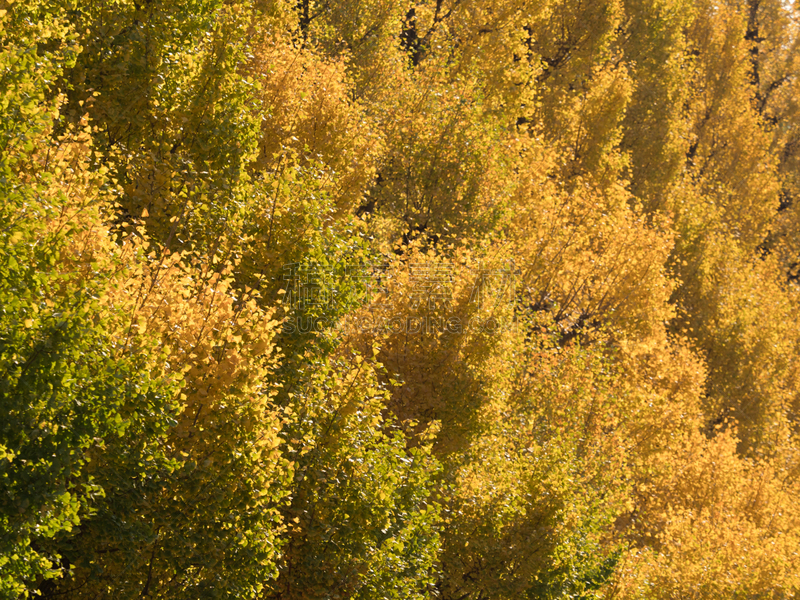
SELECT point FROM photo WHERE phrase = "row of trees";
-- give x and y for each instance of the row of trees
(458, 299)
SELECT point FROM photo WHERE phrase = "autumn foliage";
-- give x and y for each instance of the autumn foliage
(458, 299)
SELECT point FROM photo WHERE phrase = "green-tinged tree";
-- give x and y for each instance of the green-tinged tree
(362, 523)
(66, 388)
(139, 452)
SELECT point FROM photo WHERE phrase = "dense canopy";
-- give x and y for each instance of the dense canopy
(399, 299)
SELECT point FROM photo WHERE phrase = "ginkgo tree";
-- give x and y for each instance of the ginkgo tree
(459, 299)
